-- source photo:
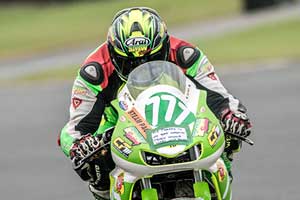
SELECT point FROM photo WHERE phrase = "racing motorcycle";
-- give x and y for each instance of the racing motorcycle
(167, 143)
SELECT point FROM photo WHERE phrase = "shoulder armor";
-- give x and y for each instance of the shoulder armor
(187, 56)
(92, 73)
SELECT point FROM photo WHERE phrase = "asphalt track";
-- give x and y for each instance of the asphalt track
(32, 167)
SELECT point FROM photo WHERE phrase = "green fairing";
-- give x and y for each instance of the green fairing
(201, 190)
(136, 157)
(108, 121)
(131, 137)
(213, 122)
(163, 109)
(149, 194)
(223, 188)
(226, 161)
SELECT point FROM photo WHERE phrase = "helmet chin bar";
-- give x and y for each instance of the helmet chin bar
(117, 68)
(124, 65)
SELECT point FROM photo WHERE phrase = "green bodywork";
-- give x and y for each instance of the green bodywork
(127, 150)
(128, 141)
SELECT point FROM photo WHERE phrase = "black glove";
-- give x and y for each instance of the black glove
(81, 153)
(84, 147)
(236, 122)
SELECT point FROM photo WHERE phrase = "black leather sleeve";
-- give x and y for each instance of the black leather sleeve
(216, 102)
(90, 123)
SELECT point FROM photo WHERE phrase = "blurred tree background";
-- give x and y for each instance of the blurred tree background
(250, 5)
(29, 28)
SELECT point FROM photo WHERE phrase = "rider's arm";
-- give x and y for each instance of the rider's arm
(87, 106)
(228, 109)
(203, 72)
(215, 101)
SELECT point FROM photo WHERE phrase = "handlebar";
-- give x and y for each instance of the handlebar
(244, 139)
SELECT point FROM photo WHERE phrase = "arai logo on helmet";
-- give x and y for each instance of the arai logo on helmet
(137, 45)
(137, 41)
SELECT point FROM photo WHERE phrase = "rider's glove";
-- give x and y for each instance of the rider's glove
(80, 150)
(84, 146)
(236, 122)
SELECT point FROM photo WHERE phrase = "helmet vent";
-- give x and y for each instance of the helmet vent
(136, 27)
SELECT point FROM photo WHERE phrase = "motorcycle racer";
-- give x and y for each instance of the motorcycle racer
(136, 35)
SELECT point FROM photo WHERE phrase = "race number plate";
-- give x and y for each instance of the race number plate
(168, 136)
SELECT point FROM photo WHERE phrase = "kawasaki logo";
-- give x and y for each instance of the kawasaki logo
(137, 41)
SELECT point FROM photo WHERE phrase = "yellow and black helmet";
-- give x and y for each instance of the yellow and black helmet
(137, 35)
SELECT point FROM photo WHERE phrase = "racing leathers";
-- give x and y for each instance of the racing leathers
(97, 85)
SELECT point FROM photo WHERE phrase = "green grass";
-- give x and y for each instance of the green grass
(61, 74)
(272, 41)
(27, 30)
(276, 40)
(66, 73)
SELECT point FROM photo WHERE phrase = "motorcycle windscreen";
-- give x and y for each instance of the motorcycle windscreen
(155, 73)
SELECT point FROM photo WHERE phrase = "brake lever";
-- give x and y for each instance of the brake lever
(244, 139)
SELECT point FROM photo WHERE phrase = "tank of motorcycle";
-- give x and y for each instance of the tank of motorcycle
(162, 116)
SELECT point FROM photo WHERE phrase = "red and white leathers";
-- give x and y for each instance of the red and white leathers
(97, 84)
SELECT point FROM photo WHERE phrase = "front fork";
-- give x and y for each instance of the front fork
(201, 188)
(218, 175)
(220, 180)
(148, 193)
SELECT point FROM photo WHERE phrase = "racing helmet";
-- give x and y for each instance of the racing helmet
(137, 35)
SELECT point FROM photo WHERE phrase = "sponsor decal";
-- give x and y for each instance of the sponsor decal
(168, 136)
(79, 91)
(138, 121)
(202, 109)
(188, 90)
(221, 171)
(212, 76)
(120, 184)
(213, 136)
(132, 134)
(122, 147)
(122, 118)
(137, 41)
(127, 97)
(137, 44)
(206, 66)
(201, 127)
(123, 105)
(76, 102)
(97, 170)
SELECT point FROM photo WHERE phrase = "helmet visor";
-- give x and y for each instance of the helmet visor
(125, 65)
